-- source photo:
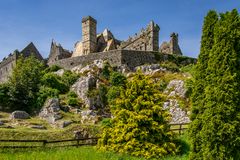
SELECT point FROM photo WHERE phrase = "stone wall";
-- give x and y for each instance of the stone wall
(129, 58)
(146, 40)
(7, 64)
(133, 58)
(6, 67)
(114, 58)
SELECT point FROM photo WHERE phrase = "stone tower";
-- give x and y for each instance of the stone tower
(89, 35)
(174, 47)
(155, 36)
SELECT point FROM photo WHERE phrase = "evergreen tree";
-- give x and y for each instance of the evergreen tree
(217, 126)
(199, 79)
(140, 125)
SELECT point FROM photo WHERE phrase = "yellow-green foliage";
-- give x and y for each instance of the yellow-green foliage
(140, 125)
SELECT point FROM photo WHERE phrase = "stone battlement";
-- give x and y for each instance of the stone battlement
(145, 40)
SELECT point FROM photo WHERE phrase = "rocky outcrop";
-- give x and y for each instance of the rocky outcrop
(64, 124)
(150, 69)
(97, 64)
(89, 116)
(51, 111)
(176, 88)
(60, 72)
(82, 88)
(38, 127)
(178, 115)
(19, 115)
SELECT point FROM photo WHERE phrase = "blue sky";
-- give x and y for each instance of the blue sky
(40, 21)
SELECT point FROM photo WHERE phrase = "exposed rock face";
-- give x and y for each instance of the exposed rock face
(178, 115)
(83, 86)
(89, 68)
(64, 124)
(60, 72)
(38, 127)
(150, 69)
(89, 116)
(19, 115)
(1, 123)
(50, 111)
(81, 134)
(176, 88)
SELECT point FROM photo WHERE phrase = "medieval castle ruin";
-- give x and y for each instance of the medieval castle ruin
(137, 50)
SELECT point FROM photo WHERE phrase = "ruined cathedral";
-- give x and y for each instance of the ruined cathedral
(136, 50)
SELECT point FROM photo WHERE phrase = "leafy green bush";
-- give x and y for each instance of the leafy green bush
(106, 122)
(45, 93)
(4, 96)
(106, 71)
(140, 125)
(113, 93)
(117, 79)
(73, 102)
(24, 83)
(170, 66)
(52, 68)
(188, 69)
(54, 81)
(69, 78)
(162, 85)
(103, 94)
(72, 94)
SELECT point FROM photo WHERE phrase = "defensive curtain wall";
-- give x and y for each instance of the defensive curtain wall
(130, 58)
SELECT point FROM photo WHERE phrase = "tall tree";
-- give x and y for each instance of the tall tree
(217, 126)
(24, 83)
(140, 125)
(199, 78)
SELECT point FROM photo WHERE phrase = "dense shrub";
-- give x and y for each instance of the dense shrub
(52, 68)
(106, 71)
(140, 125)
(69, 78)
(71, 94)
(4, 96)
(113, 93)
(170, 66)
(72, 102)
(103, 89)
(106, 122)
(45, 93)
(117, 79)
(54, 81)
(188, 69)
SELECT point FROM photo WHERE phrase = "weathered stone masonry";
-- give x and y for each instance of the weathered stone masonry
(130, 58)
(8, 63)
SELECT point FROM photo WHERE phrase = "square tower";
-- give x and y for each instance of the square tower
(89, 35)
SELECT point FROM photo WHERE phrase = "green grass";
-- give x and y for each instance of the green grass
(81, 153)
